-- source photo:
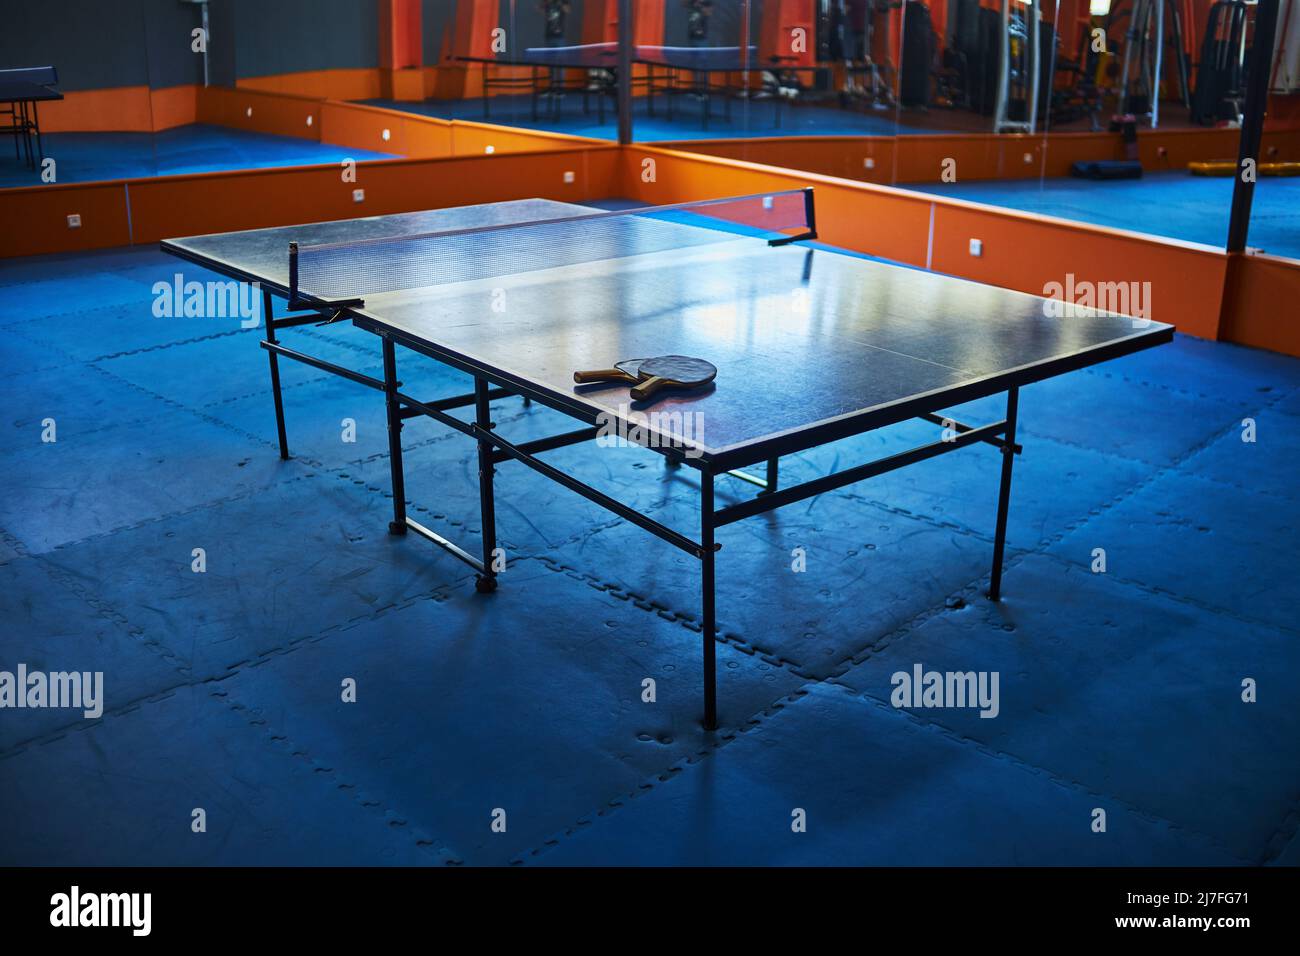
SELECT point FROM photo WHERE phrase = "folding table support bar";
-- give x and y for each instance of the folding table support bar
(818, 486)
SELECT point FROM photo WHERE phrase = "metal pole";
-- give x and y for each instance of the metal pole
(394, 410)
(709, 628)
(1252, 125)
(1160, 59)
(269, 318)
(487, 581)
(625, 34)
(207, 41)
(1034, 59)
(1004, 494)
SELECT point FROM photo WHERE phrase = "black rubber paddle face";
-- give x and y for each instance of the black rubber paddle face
(682, 370)
(672, 372)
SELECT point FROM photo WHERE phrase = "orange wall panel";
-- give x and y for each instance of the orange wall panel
(250, 199)
(1256, 284)
(259, 111)
(350, 84)
(428, 140)
(1026, 252)
(43, 212)
(843, 156)
(920, 159)
(124, 109)
(174, 106)
(471, 139)
(365, 127)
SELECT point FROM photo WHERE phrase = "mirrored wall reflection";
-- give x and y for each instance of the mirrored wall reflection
(78, 101)
(1274, 225)
(808, 85)
(1112, 112)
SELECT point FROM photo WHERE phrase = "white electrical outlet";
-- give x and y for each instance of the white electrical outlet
(976, 248)
(568, 176)
(1029, 159)
(358, 195)
(868, 163)
(74, 220)
(386, 135)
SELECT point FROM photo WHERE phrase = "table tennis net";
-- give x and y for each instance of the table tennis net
(347, 271)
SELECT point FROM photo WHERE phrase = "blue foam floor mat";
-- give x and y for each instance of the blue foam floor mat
(1119, 690)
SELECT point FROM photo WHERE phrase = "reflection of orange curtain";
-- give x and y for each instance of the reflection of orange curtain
(475, 21)
(939, 20)
(401, 45)
(780, 20)
(600, 22)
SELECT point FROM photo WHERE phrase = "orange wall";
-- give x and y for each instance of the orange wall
(354, 84)
(121, 109)
(258, 111)
(43, 212)
(1255, 287)
(912, 159)
(147, 210)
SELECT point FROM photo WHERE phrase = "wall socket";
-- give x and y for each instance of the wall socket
(74, 220)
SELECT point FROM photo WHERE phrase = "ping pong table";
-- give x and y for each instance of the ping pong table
(663, 66)
(21, 90)
(812, 345)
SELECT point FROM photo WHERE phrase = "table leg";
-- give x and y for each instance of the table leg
(1004, 493)
(773, 476)
(27, 138)
(709, 628)
(36, 128)
(269, 318)
(394, 408)
(487, 581)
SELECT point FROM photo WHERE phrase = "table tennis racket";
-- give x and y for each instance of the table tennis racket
(650, 375)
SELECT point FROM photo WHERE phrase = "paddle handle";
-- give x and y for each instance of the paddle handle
(648, 387)
(601, 375)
